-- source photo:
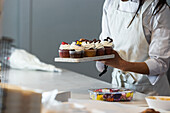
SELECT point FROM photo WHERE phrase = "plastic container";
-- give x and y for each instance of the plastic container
(111, 94)
(159, 102)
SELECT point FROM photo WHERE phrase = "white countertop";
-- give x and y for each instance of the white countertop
(78, 84)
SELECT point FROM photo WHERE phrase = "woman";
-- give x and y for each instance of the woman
(141, 37)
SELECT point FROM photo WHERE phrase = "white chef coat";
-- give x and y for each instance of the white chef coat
(157, 33)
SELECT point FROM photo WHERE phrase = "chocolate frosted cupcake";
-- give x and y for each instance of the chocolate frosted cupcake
(76, 50)
(100, 50)
(89, 48)
(108, 45)
(64, 50)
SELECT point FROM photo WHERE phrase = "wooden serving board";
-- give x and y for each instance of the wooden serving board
(84, 59)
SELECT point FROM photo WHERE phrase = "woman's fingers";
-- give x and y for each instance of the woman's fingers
(107, 61)
(115, 52)
(113, 62)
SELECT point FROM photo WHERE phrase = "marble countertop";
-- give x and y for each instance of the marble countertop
(77, 84)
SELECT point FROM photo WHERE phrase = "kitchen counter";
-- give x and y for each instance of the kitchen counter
(76, 83)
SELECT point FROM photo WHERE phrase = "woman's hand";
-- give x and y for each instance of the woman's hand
(116, 62)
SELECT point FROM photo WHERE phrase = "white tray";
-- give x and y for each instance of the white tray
(84, 59)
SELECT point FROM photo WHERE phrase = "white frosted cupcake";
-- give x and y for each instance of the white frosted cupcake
(108, 45)
(64, 50)
(100, 50)
(89, 49)
(76, 50)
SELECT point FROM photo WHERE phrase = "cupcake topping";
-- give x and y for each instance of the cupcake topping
(98, 45)
(108, 39)
(65, 46)
(78, 43)
(64, 43)
(82, 40)
(76, 46)
(94, 40)
(88, 45)
(108, 42)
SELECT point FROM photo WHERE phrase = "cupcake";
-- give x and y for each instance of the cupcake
(108, 45)
(76, 50)
(100, 50)
(64, 50)
(89, 48)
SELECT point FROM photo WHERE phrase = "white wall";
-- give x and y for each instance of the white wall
(39, 26)
(55, 21)
(10, 19)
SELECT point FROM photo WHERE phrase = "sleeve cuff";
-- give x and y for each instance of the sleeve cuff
(153, 67)
(153, 79)
(153, 71)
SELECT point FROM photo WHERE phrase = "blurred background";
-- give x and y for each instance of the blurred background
(39, 26)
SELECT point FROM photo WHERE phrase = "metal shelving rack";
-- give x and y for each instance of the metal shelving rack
(5, 51)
